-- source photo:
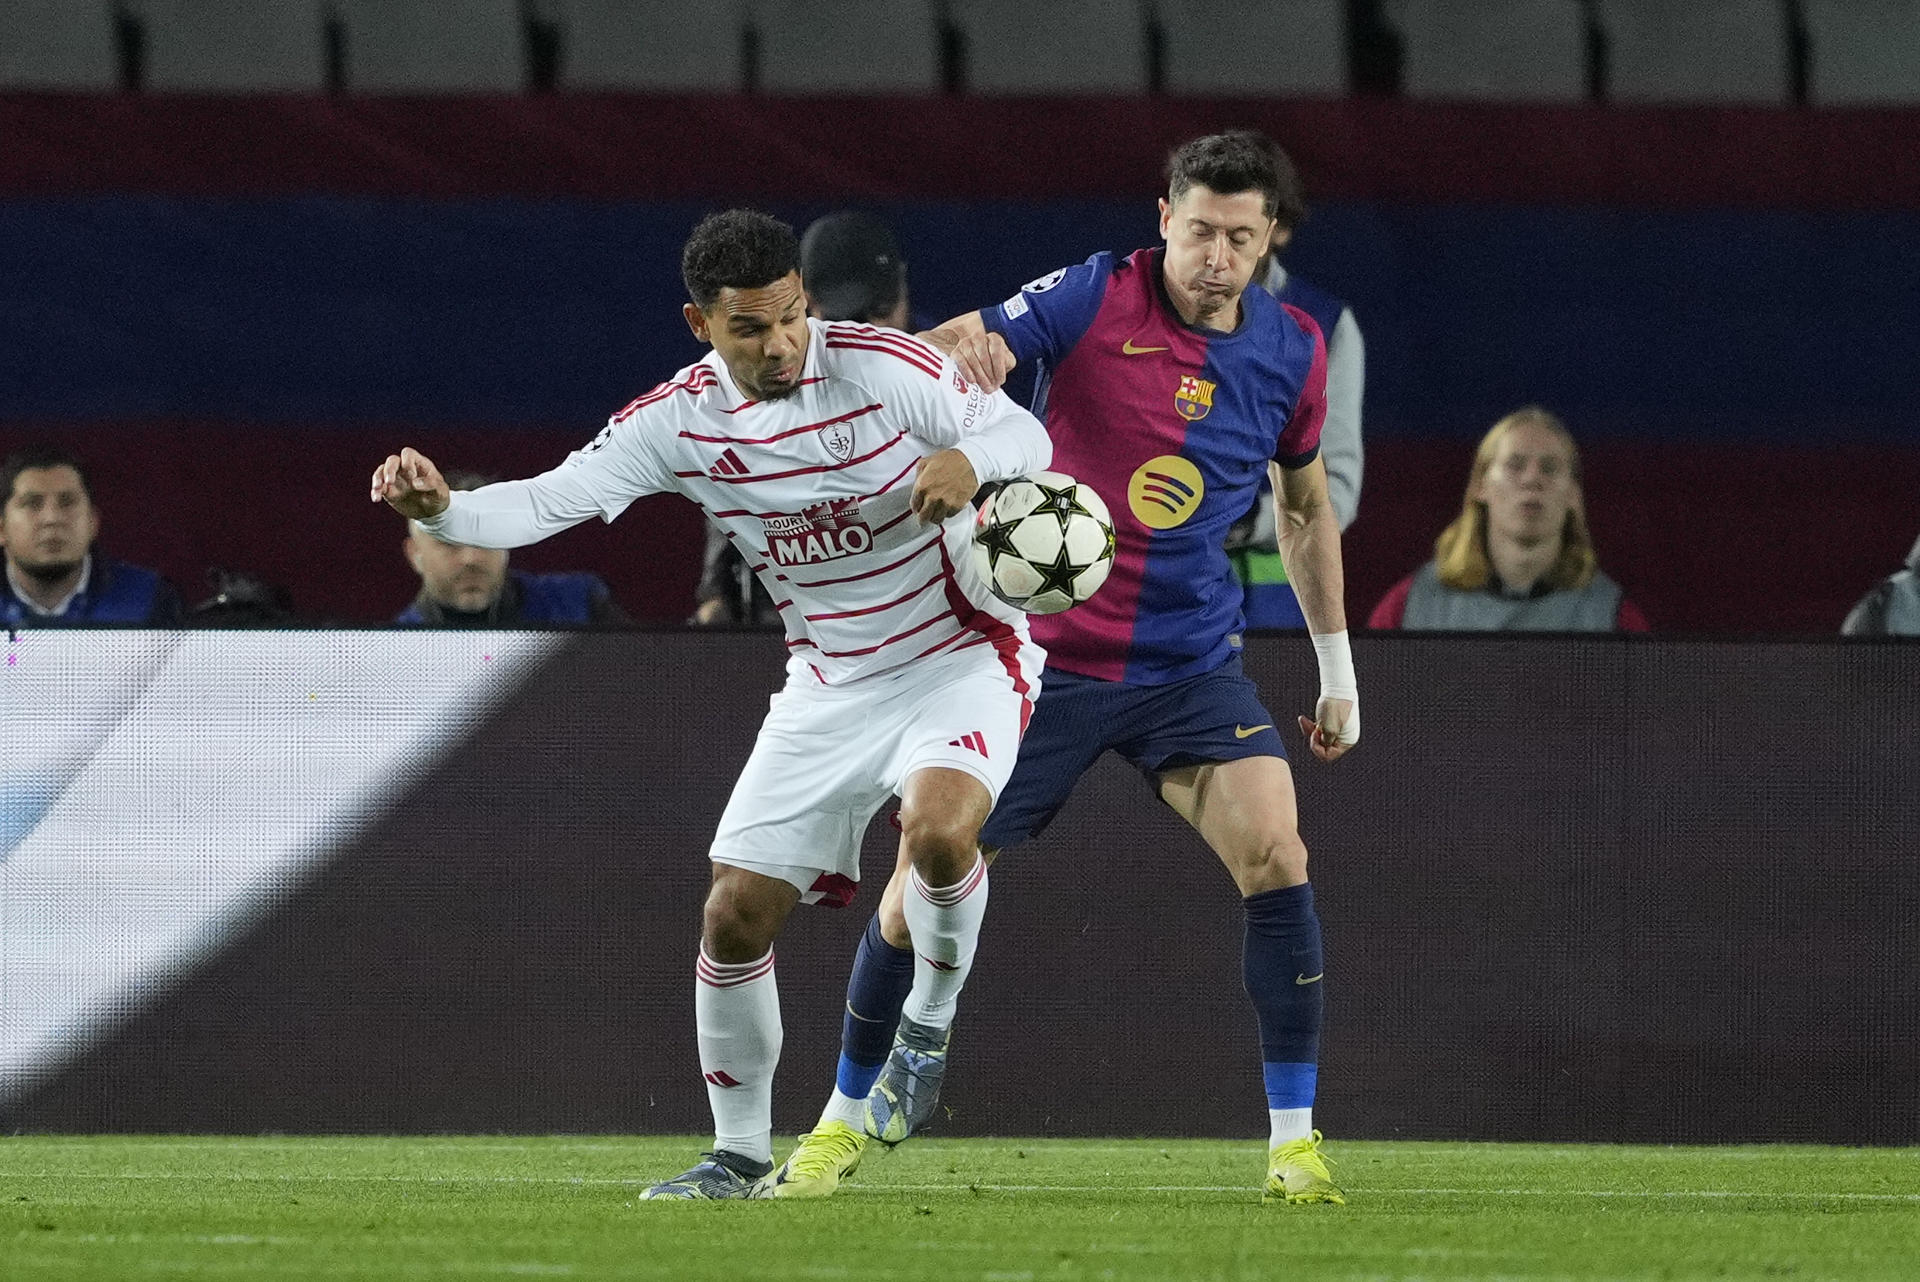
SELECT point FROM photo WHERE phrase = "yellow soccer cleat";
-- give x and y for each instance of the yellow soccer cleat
(1297, 1173)
(825, 1156)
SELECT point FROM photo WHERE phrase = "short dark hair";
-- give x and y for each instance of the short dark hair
(736, 249)
(1236, 161)
(39, 456)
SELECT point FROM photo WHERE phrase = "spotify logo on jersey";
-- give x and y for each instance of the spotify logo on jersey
(1165, 491)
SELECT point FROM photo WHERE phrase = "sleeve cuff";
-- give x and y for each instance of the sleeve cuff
(435, 525)
(1294, 462)
(981, 460)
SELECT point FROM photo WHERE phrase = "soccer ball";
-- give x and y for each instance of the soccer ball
(1044, 542)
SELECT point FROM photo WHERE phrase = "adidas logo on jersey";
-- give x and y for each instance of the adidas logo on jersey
(974, 740)
(728, 464)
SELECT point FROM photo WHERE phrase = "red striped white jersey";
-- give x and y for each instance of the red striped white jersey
(812, 488)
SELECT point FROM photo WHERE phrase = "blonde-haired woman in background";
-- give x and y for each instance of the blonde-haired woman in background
(1518, 557)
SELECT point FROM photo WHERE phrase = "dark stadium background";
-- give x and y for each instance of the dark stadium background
(235, 307)
(1649, 889)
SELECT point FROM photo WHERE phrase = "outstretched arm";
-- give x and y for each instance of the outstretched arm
(1310, 548)
(510, 514)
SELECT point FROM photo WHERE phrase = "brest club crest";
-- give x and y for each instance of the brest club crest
(838, 438)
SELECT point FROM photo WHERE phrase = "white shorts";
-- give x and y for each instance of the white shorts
(828, 758)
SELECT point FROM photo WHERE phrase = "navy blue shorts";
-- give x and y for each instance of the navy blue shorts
(1216, 716)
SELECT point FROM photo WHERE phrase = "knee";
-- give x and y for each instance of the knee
(941, 846)
(1279, 860)
(736, 928)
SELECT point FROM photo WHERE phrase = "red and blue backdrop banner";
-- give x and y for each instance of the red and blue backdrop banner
(616, 147)
(1714, 298)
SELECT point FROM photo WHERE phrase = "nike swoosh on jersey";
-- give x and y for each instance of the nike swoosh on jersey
(1129, 349)
(1309, 979)
(1241, 732)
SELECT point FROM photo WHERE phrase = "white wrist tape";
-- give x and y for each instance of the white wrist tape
(1337, 679)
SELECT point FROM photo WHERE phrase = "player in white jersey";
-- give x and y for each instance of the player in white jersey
(840, 459)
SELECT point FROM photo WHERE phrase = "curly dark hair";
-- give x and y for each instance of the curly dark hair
(39, 456)
(736, 249)
(1236, 161)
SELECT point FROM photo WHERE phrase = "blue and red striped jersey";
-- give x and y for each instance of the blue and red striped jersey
(1173, 426)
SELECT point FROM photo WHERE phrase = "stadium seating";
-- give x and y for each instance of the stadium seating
(1704, 51)
(58, 44)
(855, 46)
(1501, 50)
(1062, 47)
(1862, 51)
(1293, 48)
(433, 46)
(235, 46)
(650, 45)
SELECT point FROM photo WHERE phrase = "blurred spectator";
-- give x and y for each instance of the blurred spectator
(242, 600)
(54, 577)
(852, 270)
(729, 592)
(1519, 557)
(1252, 541)
(851, 267)
(1892, 608)
(469, 587)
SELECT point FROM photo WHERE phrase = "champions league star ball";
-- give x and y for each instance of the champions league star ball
(1044, 542)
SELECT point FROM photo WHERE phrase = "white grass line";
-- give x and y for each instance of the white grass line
(970, 1186)
(232, 1177)
(1648, 1194)
(1658, 1193)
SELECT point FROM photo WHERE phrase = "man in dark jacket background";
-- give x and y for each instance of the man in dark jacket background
(469, 587)
(54, 577)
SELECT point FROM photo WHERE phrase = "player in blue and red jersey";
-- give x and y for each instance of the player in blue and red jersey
(1172, 388)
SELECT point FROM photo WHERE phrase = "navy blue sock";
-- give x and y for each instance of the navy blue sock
(877, 989)
(1282, 968)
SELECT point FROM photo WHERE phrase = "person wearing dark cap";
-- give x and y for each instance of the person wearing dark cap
(851, 268)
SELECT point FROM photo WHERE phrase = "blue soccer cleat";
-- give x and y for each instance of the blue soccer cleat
(722, 1176)
(908, 1088)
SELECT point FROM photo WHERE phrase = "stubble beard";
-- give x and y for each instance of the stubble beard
(48, 573)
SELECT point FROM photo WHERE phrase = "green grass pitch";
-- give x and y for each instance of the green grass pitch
(994, 1210)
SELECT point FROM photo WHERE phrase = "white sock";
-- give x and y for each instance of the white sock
(1289, 1124)
(945, 924)
(844, 1108)
(737, 1011)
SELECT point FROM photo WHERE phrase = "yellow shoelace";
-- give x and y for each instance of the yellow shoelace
(1306, 1152)
(821, 1151)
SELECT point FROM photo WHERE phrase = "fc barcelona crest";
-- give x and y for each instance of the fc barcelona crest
(1193, 398)
(838, 438)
